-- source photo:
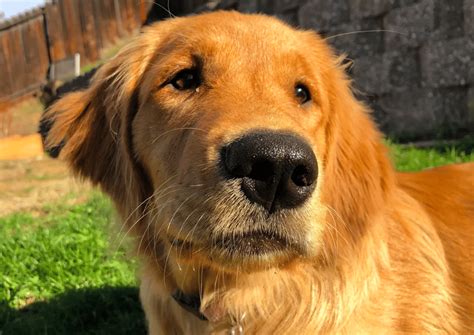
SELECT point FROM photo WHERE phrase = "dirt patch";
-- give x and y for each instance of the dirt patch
(28, 178)
(21, 119)
(21, 147)
(27, 185)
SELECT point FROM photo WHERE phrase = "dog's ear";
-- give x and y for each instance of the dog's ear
(93, 127)
(358, 175)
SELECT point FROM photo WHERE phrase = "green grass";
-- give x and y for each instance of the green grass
(60, 272)
(413, 159)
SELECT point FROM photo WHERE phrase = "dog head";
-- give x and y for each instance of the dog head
(230, 141)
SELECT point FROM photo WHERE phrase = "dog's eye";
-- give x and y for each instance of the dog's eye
(186, 80)
(302, 93)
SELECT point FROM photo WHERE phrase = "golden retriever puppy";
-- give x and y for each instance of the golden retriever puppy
(259, 190)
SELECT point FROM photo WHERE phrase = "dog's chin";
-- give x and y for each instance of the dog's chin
(252, 251)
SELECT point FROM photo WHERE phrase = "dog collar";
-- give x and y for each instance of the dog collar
(190, 303)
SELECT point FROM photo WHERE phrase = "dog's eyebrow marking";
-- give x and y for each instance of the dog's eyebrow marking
(197, 63)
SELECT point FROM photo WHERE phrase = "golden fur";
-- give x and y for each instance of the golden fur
(381, 252)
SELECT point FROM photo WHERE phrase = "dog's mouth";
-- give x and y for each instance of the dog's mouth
(251, 244)
(238, 235)
(244, 247)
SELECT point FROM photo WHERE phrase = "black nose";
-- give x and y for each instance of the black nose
(278, 170)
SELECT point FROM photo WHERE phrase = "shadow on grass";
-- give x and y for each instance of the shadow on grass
(108, 310)
(465, 145)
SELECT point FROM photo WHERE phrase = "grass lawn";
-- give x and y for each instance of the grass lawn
(61, 272)
(60, 275)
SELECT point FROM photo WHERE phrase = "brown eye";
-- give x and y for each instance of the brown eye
(188, 79)
(302, 93)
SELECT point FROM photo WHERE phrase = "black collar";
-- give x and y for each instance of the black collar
(191, 303)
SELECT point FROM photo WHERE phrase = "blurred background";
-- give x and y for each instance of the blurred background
(411, 61)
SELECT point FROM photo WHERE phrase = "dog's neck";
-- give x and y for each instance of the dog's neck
(315, 296)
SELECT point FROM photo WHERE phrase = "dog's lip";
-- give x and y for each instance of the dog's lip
(252, 243)
(248, 243)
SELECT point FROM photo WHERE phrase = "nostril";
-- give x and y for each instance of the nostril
(261, 170)
(276, 170)
(239, 171)
(301, 176)
(234, 166)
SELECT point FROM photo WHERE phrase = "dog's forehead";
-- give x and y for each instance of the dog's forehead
(231, 47)
(231, 32)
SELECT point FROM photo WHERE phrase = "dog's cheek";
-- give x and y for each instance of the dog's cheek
(151, 145)
(314, 223)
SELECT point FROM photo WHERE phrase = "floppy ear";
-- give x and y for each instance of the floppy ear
(359, 176)
(94, 126)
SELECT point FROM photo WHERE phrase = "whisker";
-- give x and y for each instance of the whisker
(159, 195)
(133, 212)
(333, 228)
(191, 233)
(132, 226)
(167, 229)
(183, 224)
(154, 218)
(332, 210)
(167, 10)
(364, 32)
(151, 196)
(156, 212)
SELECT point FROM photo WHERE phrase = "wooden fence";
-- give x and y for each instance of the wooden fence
(29, 43)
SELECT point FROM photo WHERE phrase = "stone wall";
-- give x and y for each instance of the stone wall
(415, 70)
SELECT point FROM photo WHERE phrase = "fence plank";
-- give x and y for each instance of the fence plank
(58, 31)
(42, 59)
(72, 27)
(86, 13)
(111, 22)
(142, 10)
(99, 24)
(29, 47)
(16, 59)
(35, 52)
(55, 32)
(6, 87)
(129, 17)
